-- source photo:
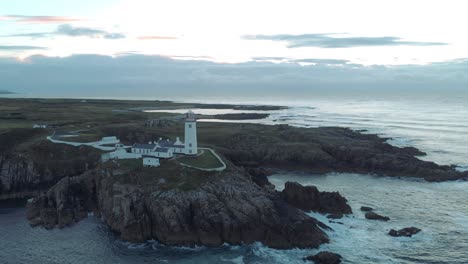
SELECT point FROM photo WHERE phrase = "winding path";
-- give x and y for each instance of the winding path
(208, 169)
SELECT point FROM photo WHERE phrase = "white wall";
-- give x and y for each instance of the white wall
(191, 146)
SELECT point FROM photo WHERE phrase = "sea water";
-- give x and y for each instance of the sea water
(437, 126)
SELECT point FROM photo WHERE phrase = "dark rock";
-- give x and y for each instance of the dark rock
(44, 164)
(325, 257)
(68, 201)
(260, 177)
(407, 232)
(328, 149)
(366, 209)
(308, 198)
(231, 209)
(375, 216)
(334, 216)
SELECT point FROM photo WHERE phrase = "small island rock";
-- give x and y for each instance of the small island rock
(325, 257)
(407, 232)
(366, 208)
(309, 198)
(375, 216)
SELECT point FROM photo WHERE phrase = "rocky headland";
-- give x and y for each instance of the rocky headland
(227, 207)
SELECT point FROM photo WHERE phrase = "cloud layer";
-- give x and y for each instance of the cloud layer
(19, 48)
(39, 19)
(159, 77)
(333, 41)
(71, 31)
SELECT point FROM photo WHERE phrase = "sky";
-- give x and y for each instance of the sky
(348, 43)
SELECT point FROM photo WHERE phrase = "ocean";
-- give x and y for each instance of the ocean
(436, 125)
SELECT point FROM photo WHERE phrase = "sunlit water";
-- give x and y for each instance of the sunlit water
(438, 127)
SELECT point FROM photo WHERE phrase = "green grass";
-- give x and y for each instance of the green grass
(170, 175)
(15, 124)
(205, 160)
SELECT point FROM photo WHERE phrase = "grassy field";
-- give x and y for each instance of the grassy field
(11, 123)
(205, 160)
(168, 176)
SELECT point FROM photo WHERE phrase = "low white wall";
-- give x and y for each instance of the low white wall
(96, 144)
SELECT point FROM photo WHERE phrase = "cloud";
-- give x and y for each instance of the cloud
(15, 47)
(143, 76)
(290, 60)
(156, 37)
(39, 19)
(71, 31)
(333, 41)
(5, 92)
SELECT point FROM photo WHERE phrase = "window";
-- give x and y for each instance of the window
(190, 151)
(190, 144)
(190, 125)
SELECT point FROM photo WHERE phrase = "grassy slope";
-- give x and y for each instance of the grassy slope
(205, 160)
(167, 176)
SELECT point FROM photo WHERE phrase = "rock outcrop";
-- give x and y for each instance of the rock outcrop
(407, 232)
(328, 149)
(309, 198)
(376, 216)
(44, 164)
(325, 257)
(227, 209)
(67, 202)
(366, 208)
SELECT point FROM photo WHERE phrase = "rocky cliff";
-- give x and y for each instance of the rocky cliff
(227, 208)
(26, 172)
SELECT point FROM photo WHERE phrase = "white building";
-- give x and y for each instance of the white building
(165, 148)
(150, 161)
(39, 126)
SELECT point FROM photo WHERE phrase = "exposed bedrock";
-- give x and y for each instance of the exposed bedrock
(309, 198)
(328, 149)
(68, 201)
(231, 209)
(44, 164)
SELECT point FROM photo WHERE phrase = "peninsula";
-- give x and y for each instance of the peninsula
(177, 204)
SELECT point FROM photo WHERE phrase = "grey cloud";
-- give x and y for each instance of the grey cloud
(161, 77)
(5, 92)
(287, 59)
(71, 31)
(16, 47)
(334, 41)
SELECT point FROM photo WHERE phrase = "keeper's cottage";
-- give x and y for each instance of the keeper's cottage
(167, 148)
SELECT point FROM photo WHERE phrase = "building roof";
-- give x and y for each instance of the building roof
(143, 146)
(165, 143)
(165, 150)
(190, 116)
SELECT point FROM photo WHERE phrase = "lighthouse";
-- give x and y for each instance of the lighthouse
(191, 147)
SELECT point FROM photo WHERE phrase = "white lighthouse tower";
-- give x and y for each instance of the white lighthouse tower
(191, 147)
